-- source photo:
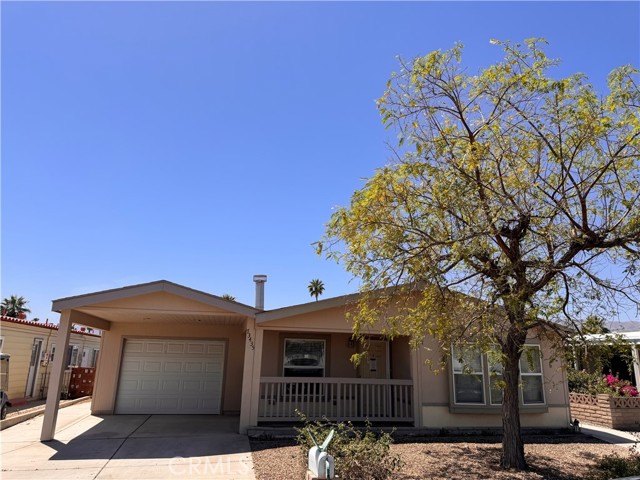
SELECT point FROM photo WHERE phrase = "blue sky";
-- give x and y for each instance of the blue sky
(205, 142)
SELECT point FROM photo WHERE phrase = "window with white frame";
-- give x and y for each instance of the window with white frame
(531, 376)
(72, 356)
(304, 357)
(468, 376)
(476, 375)
(94, 358)
(495, 377)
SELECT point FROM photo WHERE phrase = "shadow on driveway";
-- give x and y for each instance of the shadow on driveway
(129, 446)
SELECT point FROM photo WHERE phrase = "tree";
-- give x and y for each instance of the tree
(228, 296)
(316, 288)
(594, 324)
(513, 195)
(15, 306)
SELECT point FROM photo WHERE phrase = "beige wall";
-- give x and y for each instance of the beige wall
(338, 362)
(434, 387)
(18, 341)
(436, 393)
(441, 417)
(109, 363)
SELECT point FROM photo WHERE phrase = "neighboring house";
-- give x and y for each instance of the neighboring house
(620, 367)
(32, 348)
(168, 349)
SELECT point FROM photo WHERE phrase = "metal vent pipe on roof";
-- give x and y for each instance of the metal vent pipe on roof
(260, 281)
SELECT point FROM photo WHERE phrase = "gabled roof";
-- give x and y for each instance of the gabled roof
(302, 308)
(88, 299)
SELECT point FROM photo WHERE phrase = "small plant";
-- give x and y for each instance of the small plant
(358, 455)
(616, 466)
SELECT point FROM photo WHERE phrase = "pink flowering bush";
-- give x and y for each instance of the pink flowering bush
(593, 383)
(621, 387)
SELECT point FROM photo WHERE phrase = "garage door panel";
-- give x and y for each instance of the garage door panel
(171, 376)
(172, 367)
(215, 349)
(175, 348)
(152, 367)
(171, 386)
(155, 347)
(196, 348)
(133, 346)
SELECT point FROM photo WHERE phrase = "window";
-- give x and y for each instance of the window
(303, 358)
(72, 356)
(495, 377)
(53, 352)
(94, 358)
(468, 376)
(476, 375)
(531, 376)
(1, 343)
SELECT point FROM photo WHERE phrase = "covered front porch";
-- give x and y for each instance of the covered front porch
(311, 373)
(300, 360)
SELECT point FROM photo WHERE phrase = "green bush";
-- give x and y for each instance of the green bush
(615, 466)
(358, 455)
(581, 381)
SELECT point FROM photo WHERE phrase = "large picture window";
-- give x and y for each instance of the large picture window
(304, 357)
(477, 375)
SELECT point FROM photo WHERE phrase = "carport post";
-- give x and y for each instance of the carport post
(55, 380)
(636, 363)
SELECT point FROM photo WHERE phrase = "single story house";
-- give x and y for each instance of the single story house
(32, 349)
(169, 349)
(623, 368)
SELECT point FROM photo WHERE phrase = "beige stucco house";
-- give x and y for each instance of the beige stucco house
(168, 349)
(32, 349)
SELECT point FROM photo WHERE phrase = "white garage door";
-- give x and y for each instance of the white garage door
(171, 377)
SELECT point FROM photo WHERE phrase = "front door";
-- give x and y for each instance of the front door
(375, 365)
(36, 350)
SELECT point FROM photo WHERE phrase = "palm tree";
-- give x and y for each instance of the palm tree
(14, 306)
(316, 288)
(228, 296)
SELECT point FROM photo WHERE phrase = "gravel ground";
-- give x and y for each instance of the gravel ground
(550, 458)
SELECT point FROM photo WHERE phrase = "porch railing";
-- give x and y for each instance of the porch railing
(353, 399)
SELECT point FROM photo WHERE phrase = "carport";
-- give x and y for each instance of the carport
(166, 349)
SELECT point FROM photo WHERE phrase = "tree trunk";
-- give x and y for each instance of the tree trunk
(512, 444)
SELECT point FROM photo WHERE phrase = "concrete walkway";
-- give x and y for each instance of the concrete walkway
(609, 435)
(127, 446)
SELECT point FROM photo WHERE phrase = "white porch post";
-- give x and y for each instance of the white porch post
(247, 374)
(55, 380)
(257, 372)
(636, 363)
(416, 376)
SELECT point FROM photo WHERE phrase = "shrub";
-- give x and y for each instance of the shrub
(615, 466)
(581, 381)
(358, 455)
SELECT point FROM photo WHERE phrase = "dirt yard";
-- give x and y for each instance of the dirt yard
(550, 458)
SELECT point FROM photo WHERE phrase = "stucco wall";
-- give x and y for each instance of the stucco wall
(109, 363)
(18, 342)
(339, 352)
(436, 393)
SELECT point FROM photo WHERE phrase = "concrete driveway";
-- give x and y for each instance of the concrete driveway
(127, 446)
